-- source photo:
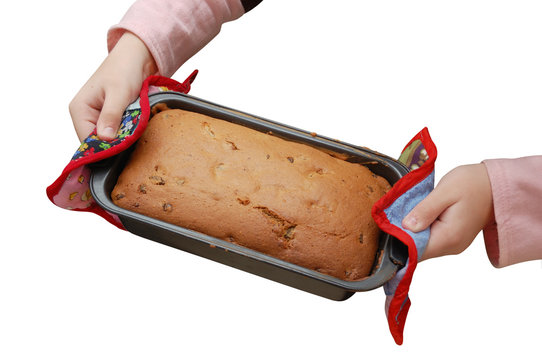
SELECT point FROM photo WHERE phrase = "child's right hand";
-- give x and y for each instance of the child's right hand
(459, 207)
(102, 100)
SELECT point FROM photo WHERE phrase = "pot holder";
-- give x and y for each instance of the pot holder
(71, 190)
(419, 156)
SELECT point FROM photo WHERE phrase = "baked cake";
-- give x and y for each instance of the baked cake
(279, 197)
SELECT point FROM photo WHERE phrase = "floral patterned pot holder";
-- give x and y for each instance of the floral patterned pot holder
(71, 190)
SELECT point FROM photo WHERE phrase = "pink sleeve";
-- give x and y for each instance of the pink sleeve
(174, 30)
(516, 235)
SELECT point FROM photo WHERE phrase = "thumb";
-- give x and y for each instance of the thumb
(428, 210)
(111, 115)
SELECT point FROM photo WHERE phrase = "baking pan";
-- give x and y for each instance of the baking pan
(391, 255)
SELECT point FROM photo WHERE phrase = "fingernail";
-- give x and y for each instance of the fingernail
(410, 223)
(109, 132)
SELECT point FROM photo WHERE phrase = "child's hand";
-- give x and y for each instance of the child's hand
(457, 210)
(102, 100)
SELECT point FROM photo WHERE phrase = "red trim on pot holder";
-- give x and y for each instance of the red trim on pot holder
(400, 302)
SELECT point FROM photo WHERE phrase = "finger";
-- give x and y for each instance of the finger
(111, 115)
(84, 117)
(451, 233)
(438, 241)
(428, 210)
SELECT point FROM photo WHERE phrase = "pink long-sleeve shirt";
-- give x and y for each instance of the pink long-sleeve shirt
(174, 30)
(516, 235)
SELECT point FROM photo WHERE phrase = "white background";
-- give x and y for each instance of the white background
(372, 73)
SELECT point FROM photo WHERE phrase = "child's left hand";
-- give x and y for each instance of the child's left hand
(459, 207)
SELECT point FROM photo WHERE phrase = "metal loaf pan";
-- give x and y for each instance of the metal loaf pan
(391, 256)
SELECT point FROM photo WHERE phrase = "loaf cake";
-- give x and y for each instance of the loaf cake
(279, 197)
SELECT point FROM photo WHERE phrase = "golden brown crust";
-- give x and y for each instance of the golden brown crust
(282, 198)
